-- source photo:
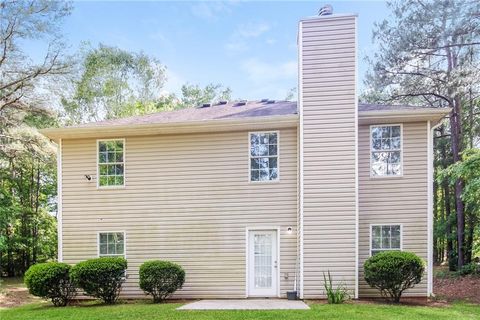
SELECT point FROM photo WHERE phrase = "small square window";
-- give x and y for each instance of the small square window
(385, 238)
(111, 244)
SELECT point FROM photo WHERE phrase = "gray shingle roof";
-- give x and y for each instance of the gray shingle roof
(233, 111)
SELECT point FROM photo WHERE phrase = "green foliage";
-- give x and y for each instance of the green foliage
(472, 268)
(336, 295)
(161, 278)
(101, 277)
(111, 80)
(392, 272)
(194, 95)
(50, 280)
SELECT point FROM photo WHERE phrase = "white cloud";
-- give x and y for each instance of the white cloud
(210, 11)
(252, 30)
(263, 72)
(243, 35)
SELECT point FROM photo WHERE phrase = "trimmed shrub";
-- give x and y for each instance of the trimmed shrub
(161, 278)
(393, 272)
(101, 277)
(51, 280)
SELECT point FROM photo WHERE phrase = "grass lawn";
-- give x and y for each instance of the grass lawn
(145, 310)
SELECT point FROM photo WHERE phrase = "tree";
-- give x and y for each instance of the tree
(112, 80)
(21, 76)
(429, 54)
(194, 95)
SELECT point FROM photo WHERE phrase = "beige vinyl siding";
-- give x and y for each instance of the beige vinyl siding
(395, 200)
(327, 71)
(187, 198)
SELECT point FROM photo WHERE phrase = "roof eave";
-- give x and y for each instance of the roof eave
(375, 116)
(198, 126)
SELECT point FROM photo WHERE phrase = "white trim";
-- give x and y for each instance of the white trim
(383, 225)
(59, 202)
(300, 163)
(124, 243)
(278, 157)
(430, 146)
(97, 177)
(356, 169)
(402, 173)
(247, 254)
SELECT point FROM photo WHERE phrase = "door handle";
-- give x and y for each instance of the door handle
(275, 265)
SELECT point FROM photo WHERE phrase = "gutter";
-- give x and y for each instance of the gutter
(93, 131)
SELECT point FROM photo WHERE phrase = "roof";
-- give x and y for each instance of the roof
(236, 110)
(233, 110)
(252, 115)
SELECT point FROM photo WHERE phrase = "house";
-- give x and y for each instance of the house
(255, 199)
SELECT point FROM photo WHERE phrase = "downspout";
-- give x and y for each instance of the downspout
(59, 202)
(300, 164)
(430, 135)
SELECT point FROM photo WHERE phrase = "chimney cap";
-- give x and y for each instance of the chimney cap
(326, 10)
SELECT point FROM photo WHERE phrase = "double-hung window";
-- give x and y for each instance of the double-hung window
(385, 238)
(111, 244)
(264, 156)
(111, 163)
(386, 150)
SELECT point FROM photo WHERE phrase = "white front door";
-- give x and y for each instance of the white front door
(262, 263)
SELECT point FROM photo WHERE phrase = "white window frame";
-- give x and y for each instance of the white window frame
(401, 151)
(250, 156)
(124, 164)
(112, 255)
(385, 225)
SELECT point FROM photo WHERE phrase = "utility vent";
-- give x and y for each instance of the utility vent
(221, 102)
(241, 103)
(326, 10)
(264, 100)
(206, 105)
(270, 101)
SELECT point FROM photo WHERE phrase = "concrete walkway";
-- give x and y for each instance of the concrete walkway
(245, 304)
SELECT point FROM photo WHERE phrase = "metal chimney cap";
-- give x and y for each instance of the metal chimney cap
(326, 10)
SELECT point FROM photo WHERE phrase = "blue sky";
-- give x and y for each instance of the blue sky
(248, 46)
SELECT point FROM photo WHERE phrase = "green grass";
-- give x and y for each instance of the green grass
(144, 310)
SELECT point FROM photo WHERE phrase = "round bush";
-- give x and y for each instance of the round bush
(161, 278)
(101, 277)
(392, 272)
(50, 280)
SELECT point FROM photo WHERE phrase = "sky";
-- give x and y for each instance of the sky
(248, 46)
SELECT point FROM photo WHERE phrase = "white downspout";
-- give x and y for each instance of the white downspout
(430, 135)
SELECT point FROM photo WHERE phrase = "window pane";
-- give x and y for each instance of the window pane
(272, 162)
(119, 180)
(111, 248)
(119, 248)
(119, 169)
(273, 174)
(102, 146)
(254, 164)
(273, 138)
(262, 162)
(395, 237)
(103, 248)
(103, 181)
(103, 169)
(102, 157)
(119, 146)
(386, 237)
(111, 170)
(272, 150)
(264, 174)
(254, 175)
(376, 237)
(103, 238)
(395, 131)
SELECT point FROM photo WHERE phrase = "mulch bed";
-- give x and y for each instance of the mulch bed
(458, 288)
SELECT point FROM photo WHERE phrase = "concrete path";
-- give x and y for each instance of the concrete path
(245, 304)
